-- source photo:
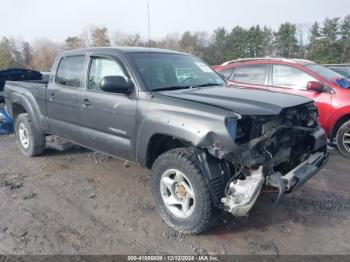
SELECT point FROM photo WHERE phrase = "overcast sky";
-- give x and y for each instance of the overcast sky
(58, 19)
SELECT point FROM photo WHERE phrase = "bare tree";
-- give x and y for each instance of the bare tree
(171, 41)
(16, 51)
(73, 42)
(123, 39)
(86, 36)
(99, 37)
(302, 35)
(27, 54)
(44, 53)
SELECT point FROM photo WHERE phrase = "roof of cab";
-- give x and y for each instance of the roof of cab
(122, 49)
(268, 58)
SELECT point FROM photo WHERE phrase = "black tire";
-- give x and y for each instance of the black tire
(36, 140)
(343, 130)
(184, 160)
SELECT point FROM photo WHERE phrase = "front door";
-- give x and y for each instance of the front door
(108, 119)
(288, 79)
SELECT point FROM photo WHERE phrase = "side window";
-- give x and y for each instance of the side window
(227, 72)
(70, 71)
(290, 77)
(251, 74)
(101, 67)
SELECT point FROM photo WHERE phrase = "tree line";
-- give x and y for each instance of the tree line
(326, 42)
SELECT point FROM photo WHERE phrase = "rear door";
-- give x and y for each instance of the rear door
(288, 79)
(108, 119)
(250, 76)
(63, 98)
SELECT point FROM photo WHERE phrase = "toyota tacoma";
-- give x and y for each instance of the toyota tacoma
(208, 146)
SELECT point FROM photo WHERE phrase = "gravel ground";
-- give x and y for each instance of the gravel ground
(75, 201)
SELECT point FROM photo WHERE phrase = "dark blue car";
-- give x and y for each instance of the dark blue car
(6, 126)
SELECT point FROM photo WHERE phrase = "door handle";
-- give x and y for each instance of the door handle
(52, 97)
(86, 102)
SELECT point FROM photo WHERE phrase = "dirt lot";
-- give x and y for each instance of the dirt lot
(75, 201)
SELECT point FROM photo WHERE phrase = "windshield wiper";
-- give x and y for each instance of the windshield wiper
(207, 84)
(168, 88)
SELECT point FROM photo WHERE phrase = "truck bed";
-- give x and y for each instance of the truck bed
(27, 83)
(33, 90)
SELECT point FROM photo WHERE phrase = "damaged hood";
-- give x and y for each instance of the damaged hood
(240, 100)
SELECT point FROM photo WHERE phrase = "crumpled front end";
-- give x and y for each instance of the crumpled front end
(276, 152)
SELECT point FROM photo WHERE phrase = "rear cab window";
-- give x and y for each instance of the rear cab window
(250, 74)
(70, 71)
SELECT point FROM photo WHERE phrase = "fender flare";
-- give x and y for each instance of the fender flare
(33, 111)
(150, 128)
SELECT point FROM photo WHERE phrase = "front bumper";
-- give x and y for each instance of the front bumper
(242, 194)
(304, 171)
(297, 177)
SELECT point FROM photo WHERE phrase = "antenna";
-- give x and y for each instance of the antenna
(149, 25)
(149, 41)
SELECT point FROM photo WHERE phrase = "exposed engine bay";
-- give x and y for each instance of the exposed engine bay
(277, 152)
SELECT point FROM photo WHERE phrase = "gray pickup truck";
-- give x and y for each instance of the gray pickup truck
(209, 147)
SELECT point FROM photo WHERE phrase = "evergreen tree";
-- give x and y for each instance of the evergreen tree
(267, 46)
(236, 45)
(330, 29)
(215, 52)
(6, 59)
(326, 45)
(345, 40)
(285, 40)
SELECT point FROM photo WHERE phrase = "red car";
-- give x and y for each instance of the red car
(300, 77)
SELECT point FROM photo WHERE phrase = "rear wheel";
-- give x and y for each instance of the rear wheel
(181, 192)
(343, 139)
(30, 141)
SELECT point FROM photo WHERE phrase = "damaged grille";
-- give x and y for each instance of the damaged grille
(274, 140)
(249, 128)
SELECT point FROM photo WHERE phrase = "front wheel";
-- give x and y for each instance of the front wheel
(30, 141)
(343, 139)
(181, 192)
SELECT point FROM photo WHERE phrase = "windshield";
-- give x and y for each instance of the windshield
(325, 72)
(344, 71)
(166, 71)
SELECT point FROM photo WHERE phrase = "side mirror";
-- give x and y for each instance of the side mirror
(116, 84)
(315, 86)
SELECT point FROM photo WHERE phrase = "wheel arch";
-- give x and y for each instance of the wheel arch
(160, 143)
(17, 109)
(20, 103)
(338, 124)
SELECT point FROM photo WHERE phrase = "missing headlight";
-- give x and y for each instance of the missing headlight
(231, 124)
